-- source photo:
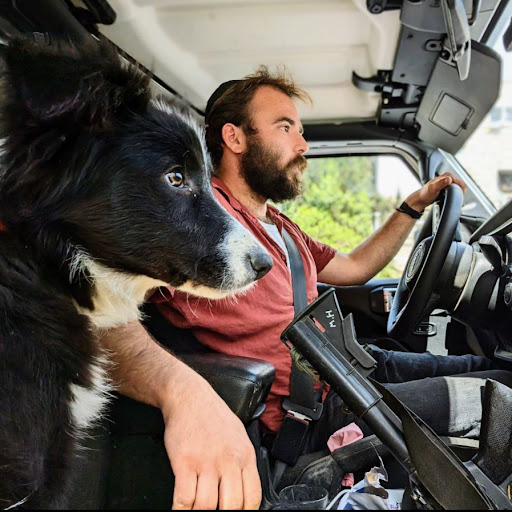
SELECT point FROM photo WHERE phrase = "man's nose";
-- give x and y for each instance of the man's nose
(302, 145)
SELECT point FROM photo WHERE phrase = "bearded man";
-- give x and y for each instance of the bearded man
(256, 141)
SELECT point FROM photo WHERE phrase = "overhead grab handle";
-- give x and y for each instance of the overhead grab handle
(458, 40)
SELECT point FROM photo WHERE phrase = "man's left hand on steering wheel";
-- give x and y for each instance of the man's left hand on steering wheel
(427, 194)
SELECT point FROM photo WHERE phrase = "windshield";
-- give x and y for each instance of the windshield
(487, 155)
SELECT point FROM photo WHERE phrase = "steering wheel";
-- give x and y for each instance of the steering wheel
(414, 298)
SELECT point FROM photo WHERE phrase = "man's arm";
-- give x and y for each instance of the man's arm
(211, 456)
(378, 250)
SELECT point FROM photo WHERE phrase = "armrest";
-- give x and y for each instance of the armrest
(242, 382)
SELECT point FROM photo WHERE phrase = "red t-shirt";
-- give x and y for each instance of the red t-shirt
(251, 325)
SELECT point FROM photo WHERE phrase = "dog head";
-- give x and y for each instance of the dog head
(96, 169)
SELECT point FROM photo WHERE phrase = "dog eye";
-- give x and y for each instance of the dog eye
(175, 179)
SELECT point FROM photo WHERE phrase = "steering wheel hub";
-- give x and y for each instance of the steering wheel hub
(415, 263)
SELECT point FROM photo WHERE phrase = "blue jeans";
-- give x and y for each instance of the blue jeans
(394, 367)
(444, 391)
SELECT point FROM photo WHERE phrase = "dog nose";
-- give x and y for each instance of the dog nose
(261, 262)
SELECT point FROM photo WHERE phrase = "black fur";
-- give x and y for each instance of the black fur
(85, 156)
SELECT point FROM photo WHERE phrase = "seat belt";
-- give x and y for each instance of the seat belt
(301, 407)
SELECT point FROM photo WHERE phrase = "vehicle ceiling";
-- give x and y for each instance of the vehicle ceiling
(194, 45)
(197, 44)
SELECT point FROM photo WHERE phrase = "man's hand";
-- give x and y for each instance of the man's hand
(211, 455)
(427, 194)
(213, 460)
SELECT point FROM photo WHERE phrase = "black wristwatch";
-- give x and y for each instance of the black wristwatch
(405, 208)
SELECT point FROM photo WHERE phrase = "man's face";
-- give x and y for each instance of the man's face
(273, 162)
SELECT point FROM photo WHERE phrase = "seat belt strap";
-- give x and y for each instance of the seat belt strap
(300, 300)
(301, 406)
(301, 384)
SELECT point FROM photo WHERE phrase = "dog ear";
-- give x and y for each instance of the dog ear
(61, 81)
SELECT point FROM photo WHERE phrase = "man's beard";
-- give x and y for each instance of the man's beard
(263, 173)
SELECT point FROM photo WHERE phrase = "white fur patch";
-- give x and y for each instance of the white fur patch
(117, 295)
(88, 404)
(236, 246)
(211, 293)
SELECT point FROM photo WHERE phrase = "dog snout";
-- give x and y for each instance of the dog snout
(260, 261)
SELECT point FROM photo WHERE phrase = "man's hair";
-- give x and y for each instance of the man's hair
(230, 104)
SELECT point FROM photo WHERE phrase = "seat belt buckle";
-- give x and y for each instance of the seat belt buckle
(293, 433)
(291, 438)
(295, 409)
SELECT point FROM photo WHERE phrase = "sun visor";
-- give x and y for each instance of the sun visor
(451, 109)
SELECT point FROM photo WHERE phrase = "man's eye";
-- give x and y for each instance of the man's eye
(175, 179)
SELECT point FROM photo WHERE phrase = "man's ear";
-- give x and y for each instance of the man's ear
(234, 138)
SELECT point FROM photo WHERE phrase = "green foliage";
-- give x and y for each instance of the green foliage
(339, 204)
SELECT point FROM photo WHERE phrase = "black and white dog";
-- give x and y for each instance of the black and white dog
(104, 194)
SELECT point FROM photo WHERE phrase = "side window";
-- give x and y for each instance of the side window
(345, 199)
